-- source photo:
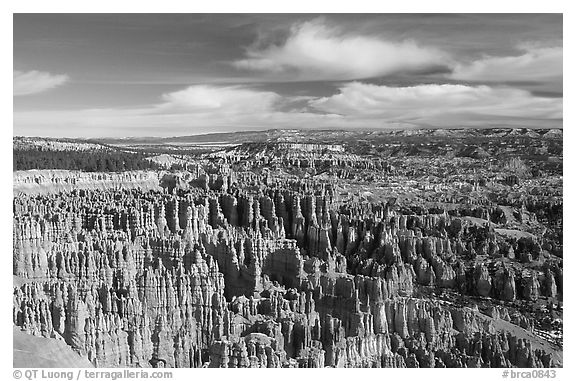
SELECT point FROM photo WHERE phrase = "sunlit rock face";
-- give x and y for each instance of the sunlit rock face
(237, 264)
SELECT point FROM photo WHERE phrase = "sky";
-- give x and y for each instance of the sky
(126, 75)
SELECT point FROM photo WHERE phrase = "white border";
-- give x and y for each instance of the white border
(295, 6)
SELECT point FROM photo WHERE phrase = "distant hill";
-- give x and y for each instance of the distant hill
(56, 144)
(328, 136)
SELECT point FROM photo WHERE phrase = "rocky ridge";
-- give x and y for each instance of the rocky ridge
(223, 268)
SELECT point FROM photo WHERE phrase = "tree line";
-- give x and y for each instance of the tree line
(88, 161)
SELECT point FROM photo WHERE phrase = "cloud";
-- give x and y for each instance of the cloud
(536, 64)
(230, 99)
(315, 51)
(437, 104)
(146, 122)
(204, 109)
(195, 109)
(33, 82)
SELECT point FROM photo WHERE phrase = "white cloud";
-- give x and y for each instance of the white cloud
(230, 99)
(143, 122)
(315, 51)
(33, 82)
(536, 64)
(437, 103)
(196, 109)
(203, 109)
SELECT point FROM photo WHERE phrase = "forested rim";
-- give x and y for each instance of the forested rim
(102, 161)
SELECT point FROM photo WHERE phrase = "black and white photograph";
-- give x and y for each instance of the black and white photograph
(286, 190)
